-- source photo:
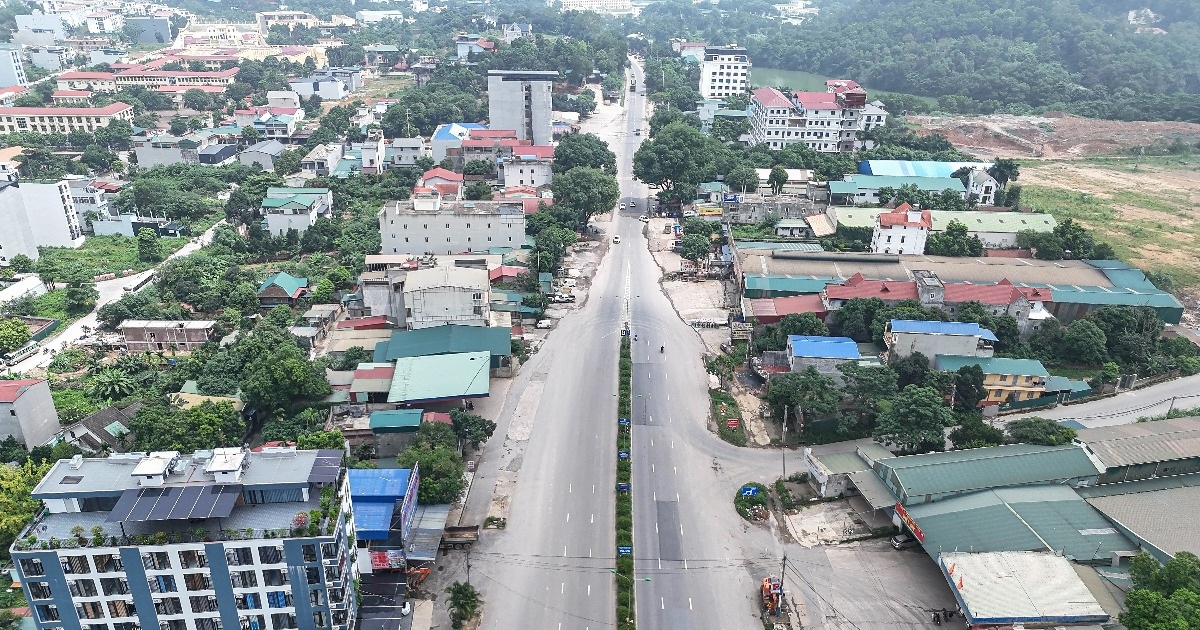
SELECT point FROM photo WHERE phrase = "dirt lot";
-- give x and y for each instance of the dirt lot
(1052, 135)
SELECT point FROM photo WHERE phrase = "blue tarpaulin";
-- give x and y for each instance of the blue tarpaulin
(378, 485)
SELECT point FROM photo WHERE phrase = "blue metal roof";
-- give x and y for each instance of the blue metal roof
(372, 521)
(915, 168)
(378, 485)
(823, 347)
(446, 132)
(942, 328)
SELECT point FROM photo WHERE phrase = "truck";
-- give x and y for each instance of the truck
(459, 537)
(632, 86)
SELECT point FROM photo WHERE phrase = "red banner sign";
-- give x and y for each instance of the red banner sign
(912, 525)
(732, 423)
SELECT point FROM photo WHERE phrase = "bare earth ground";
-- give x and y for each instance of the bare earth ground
(1052, 135)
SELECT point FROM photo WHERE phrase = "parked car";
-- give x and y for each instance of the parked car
(644, 219)
(545, 323)
(689, 213)
(562, 298)
(903, 541)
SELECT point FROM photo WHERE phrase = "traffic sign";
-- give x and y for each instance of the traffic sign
(623, 454)
(732, 423)
(622, 487)
(624, 551)
(749, 491)
(623, 421)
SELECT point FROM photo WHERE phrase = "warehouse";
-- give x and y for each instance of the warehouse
(1008, 588)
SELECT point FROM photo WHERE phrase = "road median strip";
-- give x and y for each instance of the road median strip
(624, 504)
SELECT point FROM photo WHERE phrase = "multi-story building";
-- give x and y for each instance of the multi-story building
(264, 154)
(154, 78)
(520, 100)
(724, 71)
(297, 209)
(526, 170)
(402, 152)
(425, 224)
(163, 149)
(904, 230)
(1006, 380)
(151, 29)
(41, 22)
(215, 539)
(52, 58)
(446, 295)
(905, 337)
(12, 71)
(352, 76)
(290, 19)
(828, 122)
(105, 23)
(270, 122)
(27, 412)
(89, 81)
(328, 88)
(37, 214)
(322, 160)
(598, 6)
(145, 335)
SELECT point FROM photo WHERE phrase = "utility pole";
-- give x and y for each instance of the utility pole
(783, 449)
(468, 567)
(782, 575)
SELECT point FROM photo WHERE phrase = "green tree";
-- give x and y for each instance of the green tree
(973, 432)
(777, 179)
(112, 384)
(81, 294)
(696, 247)
(912, 369)
(479, 191)
(809, 394)
(22, 264)
(14, 333)
(250, 134)
(441, 471)
(1075, 238)
(321, 439)
(465, 603)
(968, 388)
(471, 429)
(585, 191)
(954, 241)
(917, 419)
(677, 159)
(1004, 170)
(161, 426)
(17, 507)
(802, 324)
(1041, 431)
(323, 292)
(742, 179)
(584, 149)
(149, 246)
(479, 167)
(868, 385)
(198, 100)
(1086, 343)
(855, 317)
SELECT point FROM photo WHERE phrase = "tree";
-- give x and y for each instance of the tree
(21, 264)
(955, 240)
(917, 419)
(198, 100)
(81, 294)
(479, 167)
(677, 159)
(912, 369)
(855, 317)
(149, 247)
(973, 432)
(250, 134)
(464, 603)
(1075, 239)
(585, 191)
(777, 179)
(968, 388)
(1004, 170)
(696, 247)
(441, 470)
(321, 439)
(868, 385)
(742, 179)
(479, 191)
(112, 384)
(584, 149)
(14, 333)
(802, 324)
(1086, 343)
(17, 507)
(471, 429)
(809, 394)
(289, 162)
(323, 292)
(161, 426)
(1036, 430)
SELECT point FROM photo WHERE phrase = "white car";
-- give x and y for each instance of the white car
(689, 213)
(617, 240)
(545, 323)
(644, 219)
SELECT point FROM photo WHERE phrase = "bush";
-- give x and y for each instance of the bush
(744, 504)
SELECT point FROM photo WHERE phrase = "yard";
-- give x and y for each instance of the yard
(106, 254)
(384, 87)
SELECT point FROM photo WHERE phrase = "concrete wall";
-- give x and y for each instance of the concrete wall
(33, 214)
(445, 305)
(450, 233)
(279, 224)
(36, 419)
(905, 344)
(508, 107)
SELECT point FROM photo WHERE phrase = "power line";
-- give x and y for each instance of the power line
(531, 599)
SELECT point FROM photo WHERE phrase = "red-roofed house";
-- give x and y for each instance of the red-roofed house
(27, 412)
(12, 93)
(372, 381)
(902, 231)
(857, 286)
(439, 175)
(272, 444)
(433, 416)
(838, 86)
(478, 134)
(770, 311)
(71, 97)
(373, 322)
(91, 81)
(505, 273)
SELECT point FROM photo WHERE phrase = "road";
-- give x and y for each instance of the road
(1126, 407)
(110, 291)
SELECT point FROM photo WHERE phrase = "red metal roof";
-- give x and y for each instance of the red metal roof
(770, 97)
(541, 152)
(363, 322)
(70, 93)
(441, 173)
(479, 143)
(10, 391)
(86, 76)
(433, 416)
(139, 72)
(531, 205)
(271, 444)
(859, 287)
(447, 190)
(505, 271)
(491, 133)
(215, 89)
(899, 218)
(816, 100)
(838, 86)
(375, 373)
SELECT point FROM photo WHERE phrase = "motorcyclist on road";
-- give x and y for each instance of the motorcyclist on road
(662, 349)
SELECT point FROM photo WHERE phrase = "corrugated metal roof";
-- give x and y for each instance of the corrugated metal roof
(1163, 518)
(823, 347)
(396, 419)
(992, 365)
(976, 469)
(875, 182)
(842, 463)
(1019, 587)
(969, 329)
(1007, 222)
(786, 284)
(1144, 442)
(438, 377)
(449, 339)
(916, 168)
(872, 489)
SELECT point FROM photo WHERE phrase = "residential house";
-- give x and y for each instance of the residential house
(372, 113)
(383, 294)
(217, 529)
(11, 93)
(37, 214)
(521, 100)
(827, 122)
(864, 189)
(694, 50)
(217, 154)
(381, 55)
(105, 23)
(90, 81)
(62, 119)
(996, 230)
(270, 122)
(822, 353)
(322, 160)
(427, 224)
(797, 182)
(264, 154)
(513, 32)
(352, 76)
(283, 98)
(322, 315)
(446, 182)
(328, 88)
(528, 168)
(467, 44)
(724, 71)
(143, 335)
(27, 412)
(1006, 380)
(282, 288)
(404, 152)
(52, 58)
(983, 187)
(904, 337)
(155, 148)
(106, 430)
(372, 156)
(285, 209)
(904, 230)
(449, 339)
(446, 295)
(449, 136)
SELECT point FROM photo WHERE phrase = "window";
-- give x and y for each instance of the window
(91, 610)
(121, 608)
(244, 579)
(162, 584)
(192, 560)
(31, 567)
(114, 586)
(203, 604)
(168, 606)
(313, 575)
(41, 590)
(279, 599)
(310, 552)
(197, 582)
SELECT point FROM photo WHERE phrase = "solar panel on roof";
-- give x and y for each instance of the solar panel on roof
(176, 503)
(326, 466)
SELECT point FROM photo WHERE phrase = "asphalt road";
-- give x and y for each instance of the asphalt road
(1126, 407)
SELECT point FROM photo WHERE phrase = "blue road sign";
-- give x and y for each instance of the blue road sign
(749, 491)
(622, 487)
(624, 551)
(623, 421)
(623, 454)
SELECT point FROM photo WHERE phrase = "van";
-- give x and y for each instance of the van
(903, 541)
(689, 213)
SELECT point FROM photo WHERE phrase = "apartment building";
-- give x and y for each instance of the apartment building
(154, 78)
(428, 224)
(220, 539)
(160, 335)
(446, 295)
(527, 170)
(520, 100)
(62, 119)
(87, 81)
(297, 209)
(37, 214)
(27, 412)
(724, 71)
(12, 70)
(828, 122)
(105, 23)
(598, 6)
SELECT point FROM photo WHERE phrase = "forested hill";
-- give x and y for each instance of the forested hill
(983, 56)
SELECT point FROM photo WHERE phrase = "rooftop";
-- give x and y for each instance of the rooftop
(854, 183)
(107, 110)
(1143, 442)
(1164, 518)
(1019, 587)
(199, 324)
(812, 346)
(911, 168)
(975, 469)
(395, 420)
(449, 339)
(482, 208)
(286, 281)
(10, 391)
(446, 276)
(771, 97)
(441, 377)
(991, 365)
(941, 328)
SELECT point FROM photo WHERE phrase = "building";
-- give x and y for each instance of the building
(822, 353)
(1006, 380)
(917, 168)
(828, 122)
(282, 288)
(283, 98)
(328, 88)
(527, 171)
(106, 430)
(52, 58)
(106, 55)
(375, 17)
(322, 160)
(513, 32)
(214, 539)
(10, 94)
(264, 154)
(1009, 588)
(105, 23)
(905, 337)
(67, 98)
(983, 188)
(520, 100)
(829, 469)
(902, 231)
(864, 189)
(467, 44)
(1144, 450)
(724, 71)
(615, 7)
(147, 78)
(151, 29)
(449, 339)
(450, 136)
(270, 122)
(12, 70)
(90, 81)
(426, 224)
(352, 76)
(996, 230)
(39, 22)
(404, 152)
(440, 377)
(27, 412)
(446, 295)
(285, 209)
(163, 149)
(62, 119)
(37, 214)
(289, 19)
(144, 335)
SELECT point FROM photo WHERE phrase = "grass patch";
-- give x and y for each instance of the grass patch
(624, 509)
(1074, 372)
(106, 254)
(385, 86)
(744, 504)
(724, 408)
(785, 495)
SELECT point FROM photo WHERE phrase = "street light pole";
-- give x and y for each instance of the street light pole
(631, 581)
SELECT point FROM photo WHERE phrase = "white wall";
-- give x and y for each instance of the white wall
(449, 233)
(518, 173)
(279, 224)
(33, 215)
(445, 305)
(899, 240)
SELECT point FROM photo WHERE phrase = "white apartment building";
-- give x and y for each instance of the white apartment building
(904, 230)
(425, 224)
(724, 71)
(597, 6)
(212, 540)
(521, 101)
(446, 295)
(827, 122)
(12, 71)
(105, 22)
(518, 171)
(37, 214)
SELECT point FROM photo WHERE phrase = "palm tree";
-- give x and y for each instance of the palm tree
(464, 603)
(112, 384)
(1005, 170)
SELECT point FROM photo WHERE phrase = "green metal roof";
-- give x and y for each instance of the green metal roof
(284, 190)
(440, 377)
(992, 365)
(448, 339)
(857, 217)
(398, 421)
(843, 188)
(713, 187)
(1019, 519)
(914, 477)
(305, 201)
(995, 221)
(731, 113)
(787, 284)
(286, 281)
(842, 463)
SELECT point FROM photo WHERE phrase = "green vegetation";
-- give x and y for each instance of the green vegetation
(1163, 596)
(465, 603)
(746, 505)
(442, 468)
(624, 570)
(725, 408)
(107, 254)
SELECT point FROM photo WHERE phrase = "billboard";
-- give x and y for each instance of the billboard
(908, 520)
(408, 507)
